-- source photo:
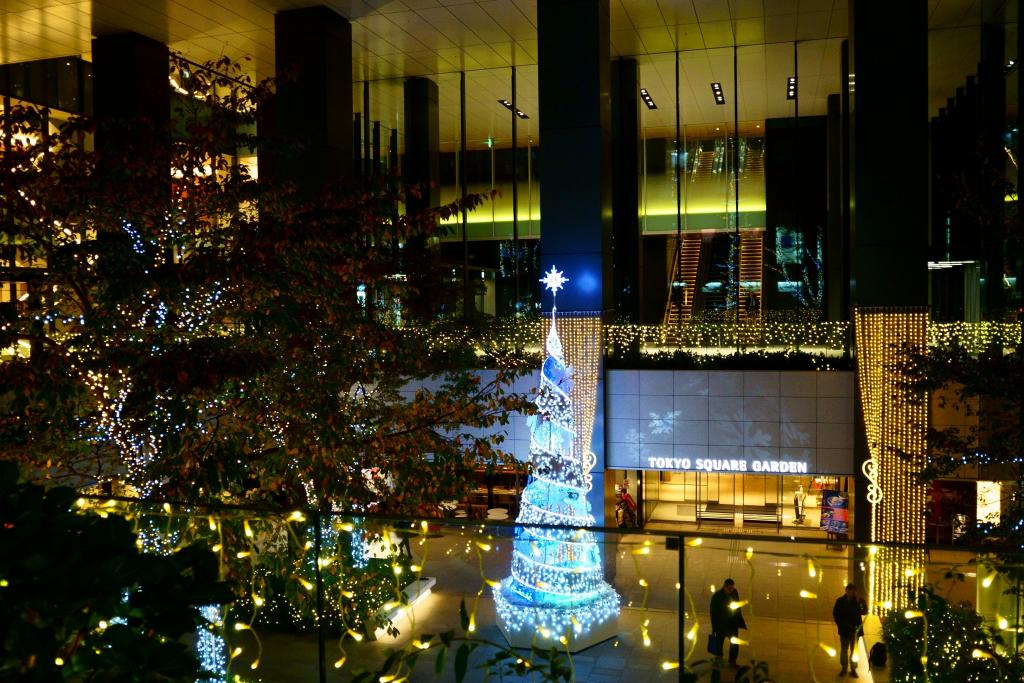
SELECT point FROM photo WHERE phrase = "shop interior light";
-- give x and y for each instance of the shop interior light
(716, 90)
(648, 100)
(508, 105)
(791, 88)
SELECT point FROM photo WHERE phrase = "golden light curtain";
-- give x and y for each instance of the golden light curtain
(896, 426)
(581, 339)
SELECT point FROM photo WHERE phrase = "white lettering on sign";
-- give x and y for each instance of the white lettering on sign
(731, 465)
(669, 463)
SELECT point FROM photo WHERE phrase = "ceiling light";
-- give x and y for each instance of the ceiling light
(648, 100)
(716, 90)
(791, 88)
(508, 105)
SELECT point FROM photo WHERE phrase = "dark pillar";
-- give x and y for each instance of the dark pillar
(314, 103)
(992, 115)
(421, 172)
(836, 291)
(132, 101)
(422, 159)
(573, 65)
(845, 171)
(625, 127)
(889, 203)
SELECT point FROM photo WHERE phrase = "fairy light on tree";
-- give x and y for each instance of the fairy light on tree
(557, 586)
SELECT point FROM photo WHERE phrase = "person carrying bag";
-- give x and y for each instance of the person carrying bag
(726, 622)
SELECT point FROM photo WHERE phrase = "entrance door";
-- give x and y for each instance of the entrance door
(717, 498)
(762, 499)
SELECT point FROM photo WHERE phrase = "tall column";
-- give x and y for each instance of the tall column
(313, 106)
(992, 120)
(132, 101)
(889, 204)
(573, 66)
(836, 300)
(422, 164)
(889, 209)
(421, 173)
(625, 126)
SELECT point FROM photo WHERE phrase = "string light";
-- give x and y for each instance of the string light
(557, 583)
(210, 646)
(895, 422)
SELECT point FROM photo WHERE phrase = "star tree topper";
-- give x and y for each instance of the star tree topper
(553, 280)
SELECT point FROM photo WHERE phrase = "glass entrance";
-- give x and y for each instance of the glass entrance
(737, 500)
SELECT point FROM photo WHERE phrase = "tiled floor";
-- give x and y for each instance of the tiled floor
(789, 632)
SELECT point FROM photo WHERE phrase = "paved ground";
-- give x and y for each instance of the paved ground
(791, 633)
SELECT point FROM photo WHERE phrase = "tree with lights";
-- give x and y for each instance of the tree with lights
(557, 586)
(191, 333)
(984, 388)
(195, 333)
(944, 643)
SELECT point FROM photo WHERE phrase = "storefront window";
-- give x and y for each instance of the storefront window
(746, 500)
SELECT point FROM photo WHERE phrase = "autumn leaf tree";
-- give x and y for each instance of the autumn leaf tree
(198, 334)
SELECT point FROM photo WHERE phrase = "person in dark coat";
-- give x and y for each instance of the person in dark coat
(848, 613)
(726, 618)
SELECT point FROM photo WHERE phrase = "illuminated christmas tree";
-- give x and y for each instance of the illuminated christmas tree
(557, 585)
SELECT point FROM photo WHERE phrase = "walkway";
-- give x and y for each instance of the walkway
(791, 633)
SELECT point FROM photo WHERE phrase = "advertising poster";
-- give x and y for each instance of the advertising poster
(835, 512)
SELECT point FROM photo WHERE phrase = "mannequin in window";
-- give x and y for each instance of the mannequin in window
(798, 505)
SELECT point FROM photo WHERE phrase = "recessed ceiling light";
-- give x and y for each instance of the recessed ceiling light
(508, 105)
(791, 88)
(716, 90)
(648, 100)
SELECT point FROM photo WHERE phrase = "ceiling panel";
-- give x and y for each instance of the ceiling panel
(395, 38)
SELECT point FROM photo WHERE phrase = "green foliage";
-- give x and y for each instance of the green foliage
(500, 661)
(947, 635)
(76, 587)
(985, 388)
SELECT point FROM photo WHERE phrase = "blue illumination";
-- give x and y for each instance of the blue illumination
(587, 282)
(557, 585)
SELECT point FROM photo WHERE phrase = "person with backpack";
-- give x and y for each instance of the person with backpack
(848, 613)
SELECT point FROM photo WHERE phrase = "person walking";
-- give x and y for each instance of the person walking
(848, 613)
(726, 620)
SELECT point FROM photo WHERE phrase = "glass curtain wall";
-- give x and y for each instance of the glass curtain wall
(715, 248)
(498, 240)
(735, 195)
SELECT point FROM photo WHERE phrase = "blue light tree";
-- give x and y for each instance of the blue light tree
(557, 587)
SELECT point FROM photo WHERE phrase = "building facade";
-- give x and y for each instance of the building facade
(689, 165)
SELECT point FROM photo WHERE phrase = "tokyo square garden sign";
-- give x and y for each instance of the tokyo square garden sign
(761, 422)
(727, 465)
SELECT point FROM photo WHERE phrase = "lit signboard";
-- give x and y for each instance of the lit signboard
(728, 465)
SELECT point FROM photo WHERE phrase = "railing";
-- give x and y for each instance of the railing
(327, 594)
